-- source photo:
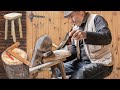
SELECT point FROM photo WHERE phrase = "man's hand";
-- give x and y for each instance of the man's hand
(77, 34)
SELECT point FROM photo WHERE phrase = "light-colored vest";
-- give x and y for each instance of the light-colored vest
(97, 53)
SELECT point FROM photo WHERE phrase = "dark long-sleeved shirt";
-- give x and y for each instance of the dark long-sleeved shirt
(102, 36)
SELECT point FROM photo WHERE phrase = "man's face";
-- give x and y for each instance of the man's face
(76, 18)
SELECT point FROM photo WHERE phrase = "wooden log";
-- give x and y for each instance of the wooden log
(14, 68)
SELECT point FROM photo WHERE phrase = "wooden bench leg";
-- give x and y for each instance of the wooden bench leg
(62, 70)
(20, 28)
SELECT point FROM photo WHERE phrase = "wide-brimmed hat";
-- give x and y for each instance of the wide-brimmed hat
(66, 13)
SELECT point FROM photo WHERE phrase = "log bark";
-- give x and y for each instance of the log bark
(14, 68)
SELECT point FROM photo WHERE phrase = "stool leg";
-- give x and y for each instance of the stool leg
(53, 68)
(20, 28)
(6, 29)
(62, 70)
(13, 30)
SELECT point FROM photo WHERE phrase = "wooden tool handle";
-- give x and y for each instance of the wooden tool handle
(13, 46)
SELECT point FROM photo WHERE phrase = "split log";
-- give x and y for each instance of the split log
(14, 68)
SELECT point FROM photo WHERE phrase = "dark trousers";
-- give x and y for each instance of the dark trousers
(85, 70)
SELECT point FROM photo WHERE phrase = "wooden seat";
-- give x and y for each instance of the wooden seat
(12, 17)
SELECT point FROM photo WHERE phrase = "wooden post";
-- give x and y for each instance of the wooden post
(14, 68)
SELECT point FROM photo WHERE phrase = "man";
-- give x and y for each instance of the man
(91, 56)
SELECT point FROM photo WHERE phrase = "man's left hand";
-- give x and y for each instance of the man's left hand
(77, 34)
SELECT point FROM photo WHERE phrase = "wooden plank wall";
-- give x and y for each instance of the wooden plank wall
(53, 25)
(6, 43)
(56, 27)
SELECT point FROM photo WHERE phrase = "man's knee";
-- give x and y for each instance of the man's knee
(79, 74)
